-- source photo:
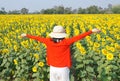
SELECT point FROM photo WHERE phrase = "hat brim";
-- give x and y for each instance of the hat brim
(57, 35)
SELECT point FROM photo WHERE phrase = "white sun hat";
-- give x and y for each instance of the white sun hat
(58, 32)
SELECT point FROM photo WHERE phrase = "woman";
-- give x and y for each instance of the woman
(58, 51)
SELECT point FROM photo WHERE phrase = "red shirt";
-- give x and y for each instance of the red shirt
(58, 54)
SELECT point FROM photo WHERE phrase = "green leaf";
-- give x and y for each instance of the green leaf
(86, 61)
(83, 79)
(7, 64)
(17, 67)
(96, 58)
(99, 62)
(83, 73)
(10, 58)
(37, 79)
(109, 78)
(4, 62)
(79, 66)
(115, 67)
(72, 77)
(89, 69)
(92, 75)
(35, 74)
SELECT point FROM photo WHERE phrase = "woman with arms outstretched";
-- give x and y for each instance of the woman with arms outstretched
(58, 51)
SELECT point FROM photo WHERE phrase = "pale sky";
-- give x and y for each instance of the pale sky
(37, 5)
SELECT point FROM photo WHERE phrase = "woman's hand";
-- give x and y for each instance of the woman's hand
(95, 30)
(23, 35)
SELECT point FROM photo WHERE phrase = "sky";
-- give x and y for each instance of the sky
(37, 5)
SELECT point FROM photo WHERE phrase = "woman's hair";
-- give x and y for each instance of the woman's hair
(56, 40)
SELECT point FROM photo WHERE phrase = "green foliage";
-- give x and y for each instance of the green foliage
(22, 68)
(93, 9)
(116, 9)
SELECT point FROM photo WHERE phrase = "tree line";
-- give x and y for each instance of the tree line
(68, 10)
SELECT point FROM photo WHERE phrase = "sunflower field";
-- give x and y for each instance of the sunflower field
(95, 58)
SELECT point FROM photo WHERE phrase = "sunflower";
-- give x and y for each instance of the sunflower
(36, 56)
(41, 64)
(96, 44)
(109, 56)
(112, 49)
(34, 69)
(15, 61)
